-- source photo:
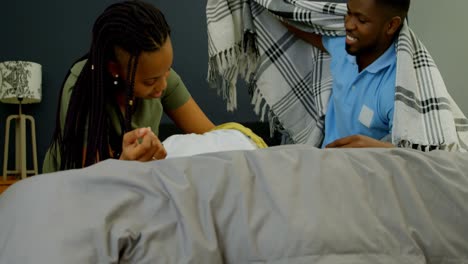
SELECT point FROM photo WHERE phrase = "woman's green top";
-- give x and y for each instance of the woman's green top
(148, 112)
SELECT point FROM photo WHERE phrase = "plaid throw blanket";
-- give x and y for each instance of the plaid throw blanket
(290, 81)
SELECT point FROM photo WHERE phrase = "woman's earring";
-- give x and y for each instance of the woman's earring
(116, 79)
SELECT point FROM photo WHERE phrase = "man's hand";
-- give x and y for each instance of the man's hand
(143, 145)
(311, 38)
(359, 141)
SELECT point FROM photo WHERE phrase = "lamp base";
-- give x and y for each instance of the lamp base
(20, 150)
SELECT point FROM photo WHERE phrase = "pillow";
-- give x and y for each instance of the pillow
(181, 145)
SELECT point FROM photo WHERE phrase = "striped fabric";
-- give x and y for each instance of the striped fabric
(290, 81)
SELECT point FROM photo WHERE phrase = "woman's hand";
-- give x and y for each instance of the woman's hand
(359, 141)
(143, 145)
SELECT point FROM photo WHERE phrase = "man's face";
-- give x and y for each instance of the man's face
(365, 26)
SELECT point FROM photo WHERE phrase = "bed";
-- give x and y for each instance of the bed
(283, 204)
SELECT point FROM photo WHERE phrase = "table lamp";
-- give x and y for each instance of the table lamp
(20, 83)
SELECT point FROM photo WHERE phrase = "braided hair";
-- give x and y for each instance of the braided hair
(135, 27)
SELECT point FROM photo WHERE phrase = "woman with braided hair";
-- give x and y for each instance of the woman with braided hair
(112, 100)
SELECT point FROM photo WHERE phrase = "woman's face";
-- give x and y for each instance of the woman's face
(152, 70)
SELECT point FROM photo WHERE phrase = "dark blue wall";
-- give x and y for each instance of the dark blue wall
(55, 33)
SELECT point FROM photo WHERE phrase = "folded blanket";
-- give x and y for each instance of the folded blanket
(247, 132)
(290, 81)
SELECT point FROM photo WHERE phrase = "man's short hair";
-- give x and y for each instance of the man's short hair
(395, 7)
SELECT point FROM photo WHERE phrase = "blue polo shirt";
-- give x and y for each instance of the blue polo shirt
(361, 102)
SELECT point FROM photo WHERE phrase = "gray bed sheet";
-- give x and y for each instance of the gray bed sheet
(286, 204)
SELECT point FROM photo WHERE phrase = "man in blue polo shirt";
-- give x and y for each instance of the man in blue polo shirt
(363, 66)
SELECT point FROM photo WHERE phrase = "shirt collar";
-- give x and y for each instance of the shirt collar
(385, 60)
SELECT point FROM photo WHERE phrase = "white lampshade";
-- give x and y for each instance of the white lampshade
(20, 80)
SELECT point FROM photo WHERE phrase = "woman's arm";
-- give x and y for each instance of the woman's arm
(190, 118)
